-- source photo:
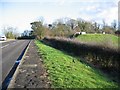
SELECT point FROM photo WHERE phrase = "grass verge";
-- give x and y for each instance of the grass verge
(66, 71)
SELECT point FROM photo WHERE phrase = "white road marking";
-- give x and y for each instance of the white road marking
(5, 46)
(2, 41)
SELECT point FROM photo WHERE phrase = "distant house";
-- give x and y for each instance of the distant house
(103, 32)
(83, 33)
(79, 33)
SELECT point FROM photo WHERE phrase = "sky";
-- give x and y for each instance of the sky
(21, 13)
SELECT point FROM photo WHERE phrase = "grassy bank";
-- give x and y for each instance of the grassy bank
(68, 72)
(106, 40)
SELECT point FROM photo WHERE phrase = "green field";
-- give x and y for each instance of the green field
(106, 40)
(66, 71)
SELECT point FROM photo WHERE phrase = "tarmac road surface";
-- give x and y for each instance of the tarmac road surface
(10, 53)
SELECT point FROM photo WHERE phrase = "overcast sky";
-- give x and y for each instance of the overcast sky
(21, 13)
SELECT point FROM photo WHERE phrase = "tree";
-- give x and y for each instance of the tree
(10, 32)
(96, 27)
(81, 25)
(61, 30)
(60, 27)
(86, 26)
(89, 27)
(72, 23)
(38, 29)
(108, 30)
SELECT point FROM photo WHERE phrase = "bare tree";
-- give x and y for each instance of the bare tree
(41, 19)
(72, 23)
(10, 32)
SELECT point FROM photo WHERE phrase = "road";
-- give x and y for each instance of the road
(10, 53)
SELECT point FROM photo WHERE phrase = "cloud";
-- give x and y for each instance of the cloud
(99, 11)
(108, 15)
(61, 2)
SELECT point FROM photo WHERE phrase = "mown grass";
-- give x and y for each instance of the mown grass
(106, 40)
(66, 71)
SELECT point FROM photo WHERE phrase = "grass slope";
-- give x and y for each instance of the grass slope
(100, 39)
(68, 72)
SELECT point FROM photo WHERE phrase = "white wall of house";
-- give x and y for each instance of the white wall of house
(83, 33)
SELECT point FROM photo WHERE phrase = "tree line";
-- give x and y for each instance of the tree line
(10, 32)
(65, 27)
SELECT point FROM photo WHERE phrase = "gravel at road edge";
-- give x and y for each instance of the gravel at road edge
(31, 72)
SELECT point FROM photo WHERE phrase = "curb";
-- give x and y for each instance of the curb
(11, 84)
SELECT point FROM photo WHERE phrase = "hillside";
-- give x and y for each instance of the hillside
(66, 71)
(106, 40)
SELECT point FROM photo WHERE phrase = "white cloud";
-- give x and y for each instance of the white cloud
(108, 15)
(90, 8)
(61, 2)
